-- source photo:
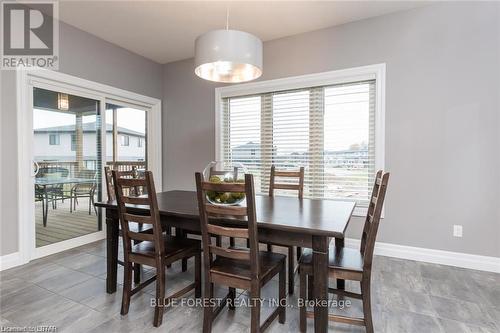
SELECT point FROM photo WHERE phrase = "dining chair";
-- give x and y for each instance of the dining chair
(243, 268)
(350, 264)
(299, 187)
(135, 227)
(156, 250)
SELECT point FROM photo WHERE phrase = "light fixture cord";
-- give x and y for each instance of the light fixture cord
(227, 18)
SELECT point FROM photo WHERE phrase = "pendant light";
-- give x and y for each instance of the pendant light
(228, 56)
(62, 102)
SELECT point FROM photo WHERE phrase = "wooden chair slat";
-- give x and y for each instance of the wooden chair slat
(141, 236)
(131, 182)
(230, 253)
(291, 174)
(136, 200)
(287, 186)
(223, 187)
(227, 232)
(138, 218)
(226, 210)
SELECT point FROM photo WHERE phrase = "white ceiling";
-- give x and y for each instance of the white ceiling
(164, 31)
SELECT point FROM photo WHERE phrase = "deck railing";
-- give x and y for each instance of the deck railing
(71, 166)
(126, 165)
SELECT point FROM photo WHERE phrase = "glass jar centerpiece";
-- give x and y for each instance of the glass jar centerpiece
(225, 172)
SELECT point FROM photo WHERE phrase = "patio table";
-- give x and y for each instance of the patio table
(46, 182)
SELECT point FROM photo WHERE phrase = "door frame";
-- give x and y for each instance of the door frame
(26, 80)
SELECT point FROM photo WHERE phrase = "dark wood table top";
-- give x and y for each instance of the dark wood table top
(311, 216)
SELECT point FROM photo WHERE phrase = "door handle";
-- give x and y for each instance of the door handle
(37, 168)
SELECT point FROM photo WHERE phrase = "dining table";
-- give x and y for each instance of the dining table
(308, 223)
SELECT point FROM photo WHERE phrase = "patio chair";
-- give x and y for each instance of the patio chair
(55, 192)
(84, 190)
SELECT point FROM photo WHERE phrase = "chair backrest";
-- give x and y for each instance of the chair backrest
(373, 217)
(108, 175)
(127, 214)
(87, 173)
(247, 231)
(44, 171)
(282, 186)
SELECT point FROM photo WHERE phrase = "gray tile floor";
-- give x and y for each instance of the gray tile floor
(68, 290)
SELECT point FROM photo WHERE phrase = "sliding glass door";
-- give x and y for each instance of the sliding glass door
(126, 137)
(67, 148)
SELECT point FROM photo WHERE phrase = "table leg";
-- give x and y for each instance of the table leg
(339, 243)
(46, 204)
(320, 273)
(112, 252)
(182, 234)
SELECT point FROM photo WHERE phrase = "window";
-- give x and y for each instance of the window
(329, 129)
(140, 142)
(54, 139)
(125, 140)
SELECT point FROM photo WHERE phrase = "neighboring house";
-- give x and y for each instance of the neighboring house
(353, 158)
(248, 153)
(350, 158)
(59, 144)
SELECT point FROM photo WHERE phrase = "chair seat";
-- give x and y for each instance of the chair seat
(343, 258)
(173, 246)
(81, 191)
(269, 261)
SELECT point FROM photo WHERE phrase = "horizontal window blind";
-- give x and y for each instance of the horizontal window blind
(328, 130)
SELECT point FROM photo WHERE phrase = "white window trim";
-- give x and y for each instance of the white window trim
(26, 79)
(370, 72)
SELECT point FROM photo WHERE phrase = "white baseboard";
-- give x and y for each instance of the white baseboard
(10, 260)
(15, 259)
(457, 259)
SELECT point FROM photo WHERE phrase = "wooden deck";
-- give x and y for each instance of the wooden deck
(63, 225)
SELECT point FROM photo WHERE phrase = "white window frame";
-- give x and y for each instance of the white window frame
(371, 72)
(57, 139)
(125, 140)
(26, 79)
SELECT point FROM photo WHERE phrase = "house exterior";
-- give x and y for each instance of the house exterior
(59, 144)
(355, 157)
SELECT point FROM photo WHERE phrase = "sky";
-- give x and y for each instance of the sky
(346, 119)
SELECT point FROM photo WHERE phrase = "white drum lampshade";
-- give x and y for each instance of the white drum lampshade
(228, 56)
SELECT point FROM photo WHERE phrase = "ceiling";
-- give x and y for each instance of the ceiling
(164, 31)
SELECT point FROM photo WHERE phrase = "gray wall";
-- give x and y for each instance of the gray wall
(85, 56)
(442, 117)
